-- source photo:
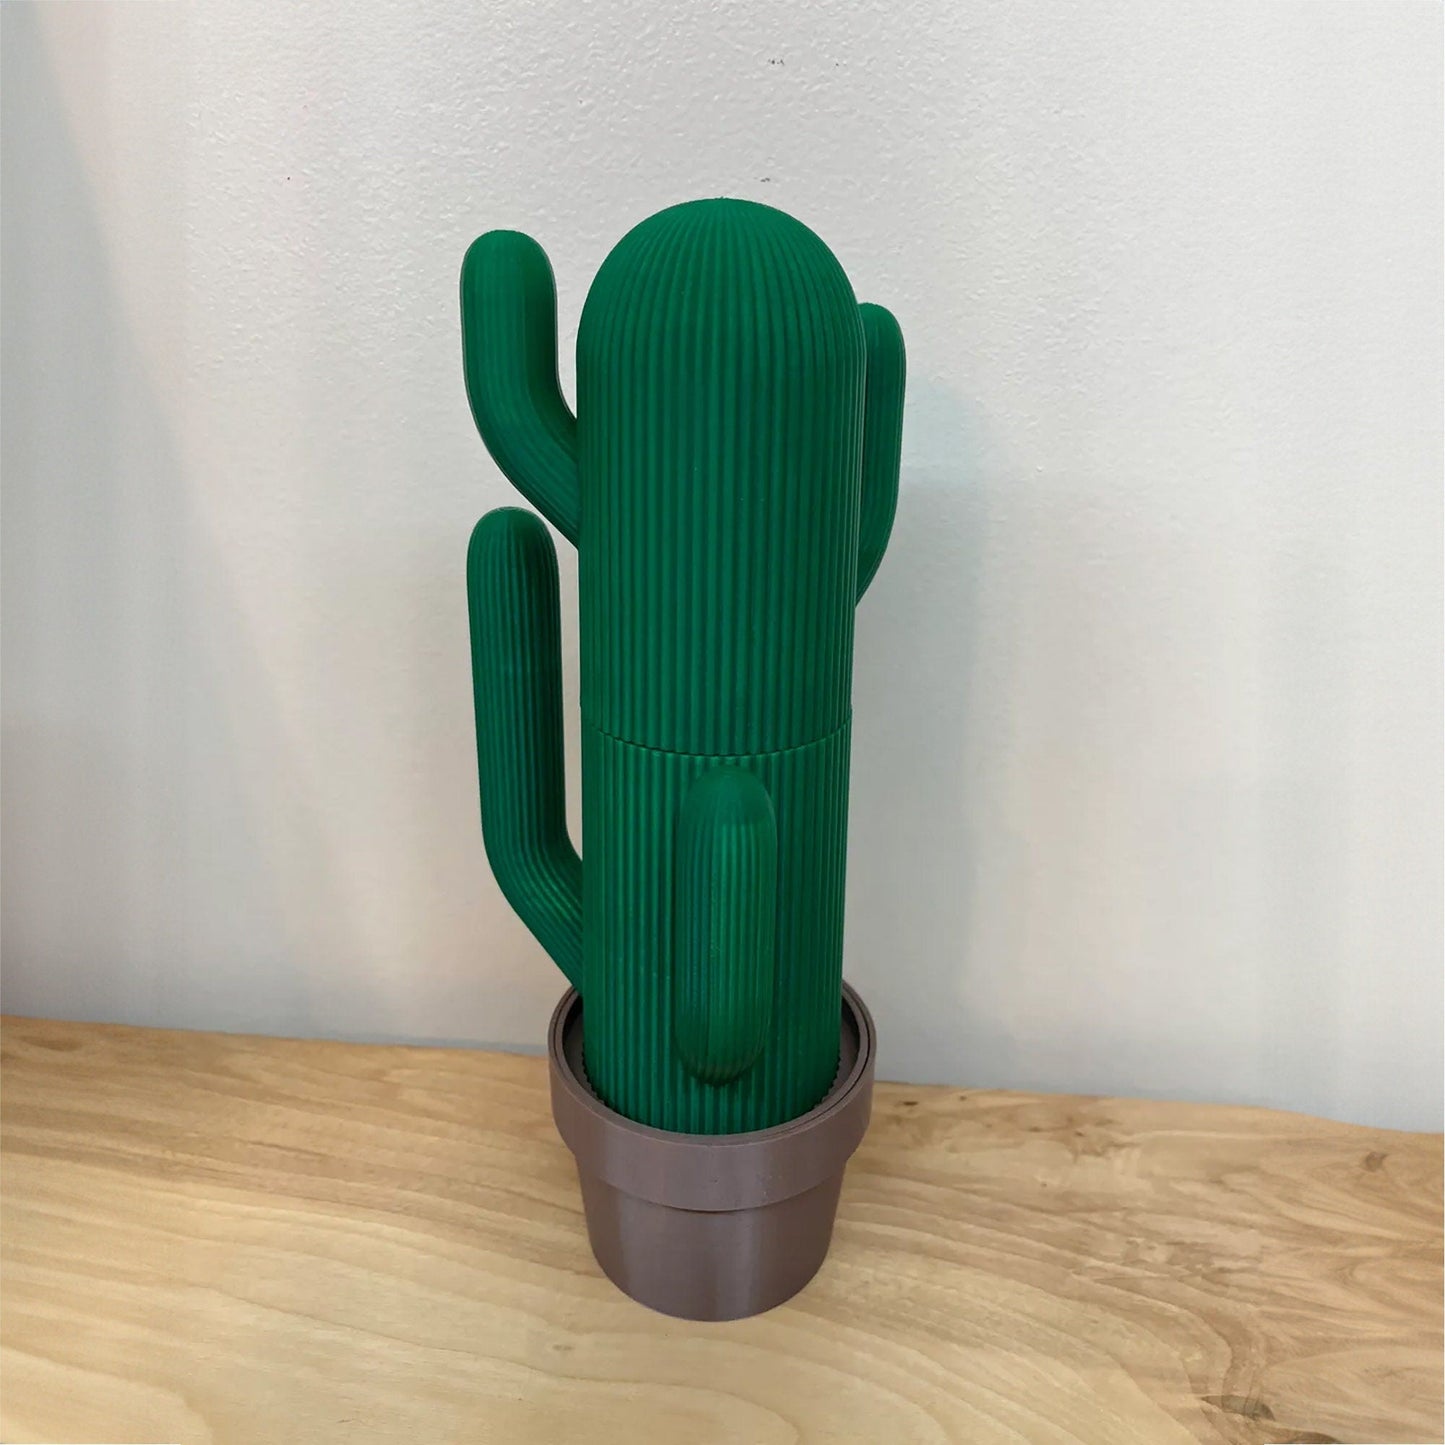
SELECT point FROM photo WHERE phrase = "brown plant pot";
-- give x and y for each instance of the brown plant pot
(711, 1226)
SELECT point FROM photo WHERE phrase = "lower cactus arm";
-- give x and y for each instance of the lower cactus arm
(882, 437)
(517, 682)
(726, 910)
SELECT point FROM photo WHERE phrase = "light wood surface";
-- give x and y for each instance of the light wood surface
(213, 1238)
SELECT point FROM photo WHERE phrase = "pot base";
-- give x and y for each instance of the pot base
(711, 1226)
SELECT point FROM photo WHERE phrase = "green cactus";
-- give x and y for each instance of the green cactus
(730, 481)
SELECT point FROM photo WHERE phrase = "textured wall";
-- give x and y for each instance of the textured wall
(1147, 785)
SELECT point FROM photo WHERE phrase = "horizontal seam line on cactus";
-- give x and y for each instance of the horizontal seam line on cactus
(723, 757)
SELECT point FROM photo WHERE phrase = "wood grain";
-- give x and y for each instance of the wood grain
(214, 1238)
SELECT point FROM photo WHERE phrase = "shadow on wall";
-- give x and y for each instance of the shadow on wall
(911, 879)
(139, 849)
(1050, 878)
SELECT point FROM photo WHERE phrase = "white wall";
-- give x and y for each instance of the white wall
(1147, 787)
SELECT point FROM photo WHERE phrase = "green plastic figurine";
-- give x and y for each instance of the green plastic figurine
(730, 481)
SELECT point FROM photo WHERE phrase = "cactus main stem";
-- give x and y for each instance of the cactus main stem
(638, 807)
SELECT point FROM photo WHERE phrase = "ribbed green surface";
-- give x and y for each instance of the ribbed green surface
(719, 400)
(882, 437)
(725, 924)
(509, 355)
(631, 801)
(731, 479)
(517, 684)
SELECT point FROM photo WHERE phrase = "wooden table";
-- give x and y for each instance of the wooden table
(209, 1237)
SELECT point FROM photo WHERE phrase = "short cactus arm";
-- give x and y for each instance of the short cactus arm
(509, 351)
(517, 682)
(882, 437)
(725, 939)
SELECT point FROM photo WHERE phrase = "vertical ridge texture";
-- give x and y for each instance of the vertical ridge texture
(509, 359)
(720, 427)
(724, 940)
(517, 692)
(633, 800)
(728, 392)
(882, 436)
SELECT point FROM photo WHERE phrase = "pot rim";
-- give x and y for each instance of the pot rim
(713, 1172)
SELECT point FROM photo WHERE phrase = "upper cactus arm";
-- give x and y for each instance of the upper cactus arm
(509, 351)
(882, 437)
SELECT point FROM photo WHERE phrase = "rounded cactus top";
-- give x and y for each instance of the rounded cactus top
(718, 263)
(720, 373)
